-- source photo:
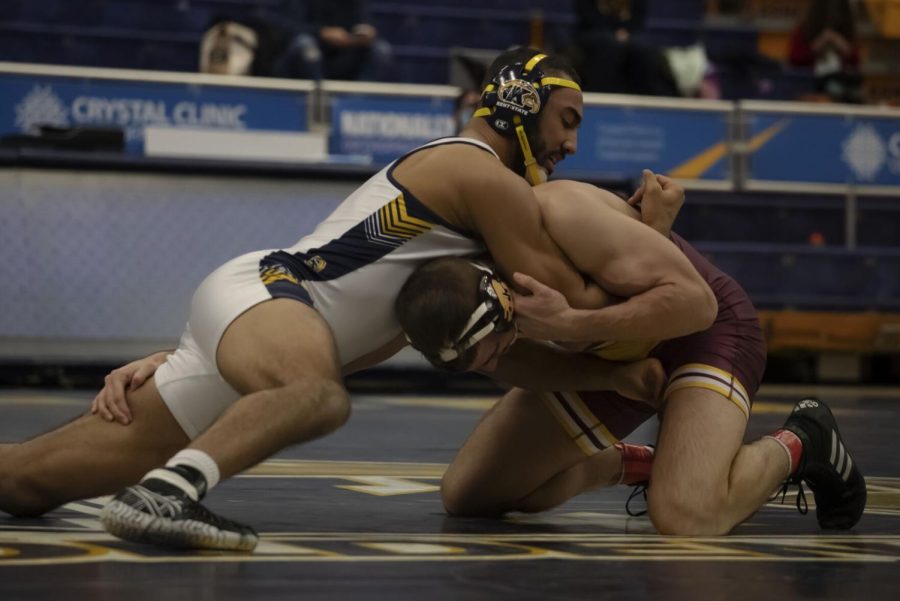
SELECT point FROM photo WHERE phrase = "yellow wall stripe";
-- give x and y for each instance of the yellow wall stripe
(767, 134)
(700, 164)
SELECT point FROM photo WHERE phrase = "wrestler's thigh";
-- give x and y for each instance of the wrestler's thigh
(274, 343)
(515, 448)
(91, 456)
(700, 435)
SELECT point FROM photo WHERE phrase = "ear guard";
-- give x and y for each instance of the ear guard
(494, 313)
(513, 100)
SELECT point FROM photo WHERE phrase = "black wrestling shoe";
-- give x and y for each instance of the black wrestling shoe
(826, 466)
(158, 513)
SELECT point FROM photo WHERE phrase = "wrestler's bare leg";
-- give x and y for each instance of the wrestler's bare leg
(88, 457)
(519, 458)
(281, 355)
(704, 480)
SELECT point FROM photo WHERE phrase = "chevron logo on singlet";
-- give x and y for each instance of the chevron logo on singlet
(392, 225)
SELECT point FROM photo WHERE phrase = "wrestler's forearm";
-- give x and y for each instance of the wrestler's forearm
(664, 312)
(539, 368)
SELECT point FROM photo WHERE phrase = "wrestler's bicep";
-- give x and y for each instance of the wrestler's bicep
(509, 220)
(613, 249)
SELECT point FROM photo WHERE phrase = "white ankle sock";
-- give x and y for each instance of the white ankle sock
(201, 462)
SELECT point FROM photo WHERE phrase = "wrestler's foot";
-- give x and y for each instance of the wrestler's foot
(826, 466)
(637, 463)
(158, 513)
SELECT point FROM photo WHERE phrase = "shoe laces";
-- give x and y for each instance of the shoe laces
(640, 490)
(802, 505)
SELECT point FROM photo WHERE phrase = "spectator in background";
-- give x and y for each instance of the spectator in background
(241, 44)
(298, 39)
(825, 38)
(332, 39)
(611, 59)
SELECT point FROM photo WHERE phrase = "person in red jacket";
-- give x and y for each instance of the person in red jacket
(826, 39)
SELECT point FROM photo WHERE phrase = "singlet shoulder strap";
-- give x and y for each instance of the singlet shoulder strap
(459, 140)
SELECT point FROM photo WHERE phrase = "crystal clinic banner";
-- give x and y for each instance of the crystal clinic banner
(29, 101)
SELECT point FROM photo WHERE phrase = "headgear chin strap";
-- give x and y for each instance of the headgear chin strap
(494, 313)
(512, 102)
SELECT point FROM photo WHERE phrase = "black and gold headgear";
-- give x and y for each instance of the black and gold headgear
(494, 313)
(513, 100)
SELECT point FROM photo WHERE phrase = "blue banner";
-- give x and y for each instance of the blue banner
(384, 128)
(616, 142)
(826, 149)
(29, 101)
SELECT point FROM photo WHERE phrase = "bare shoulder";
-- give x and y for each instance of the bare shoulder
(443, 178)
(567, 189)
(445, 160)
(568, 199)
(572, 200)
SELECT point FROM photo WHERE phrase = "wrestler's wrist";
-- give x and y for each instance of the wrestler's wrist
(572, 326)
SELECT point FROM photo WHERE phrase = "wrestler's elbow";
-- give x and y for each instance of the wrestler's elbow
(586, 295)
(692, 305)
(705, 306)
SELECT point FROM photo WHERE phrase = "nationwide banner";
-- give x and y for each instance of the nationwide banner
(30, 101)
(381, 128)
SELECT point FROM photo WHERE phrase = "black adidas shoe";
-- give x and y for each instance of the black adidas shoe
(826, 466)
(158, 513)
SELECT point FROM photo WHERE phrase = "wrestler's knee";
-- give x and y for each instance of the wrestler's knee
(21, 493)
(675, 512)
(328, 399)
(456, 500)
(463, 496)
(335, 402)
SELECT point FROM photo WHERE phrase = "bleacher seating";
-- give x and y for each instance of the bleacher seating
(808, 277)
(792, 251)
(767, 218)
(166, 34)
(878, 221)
